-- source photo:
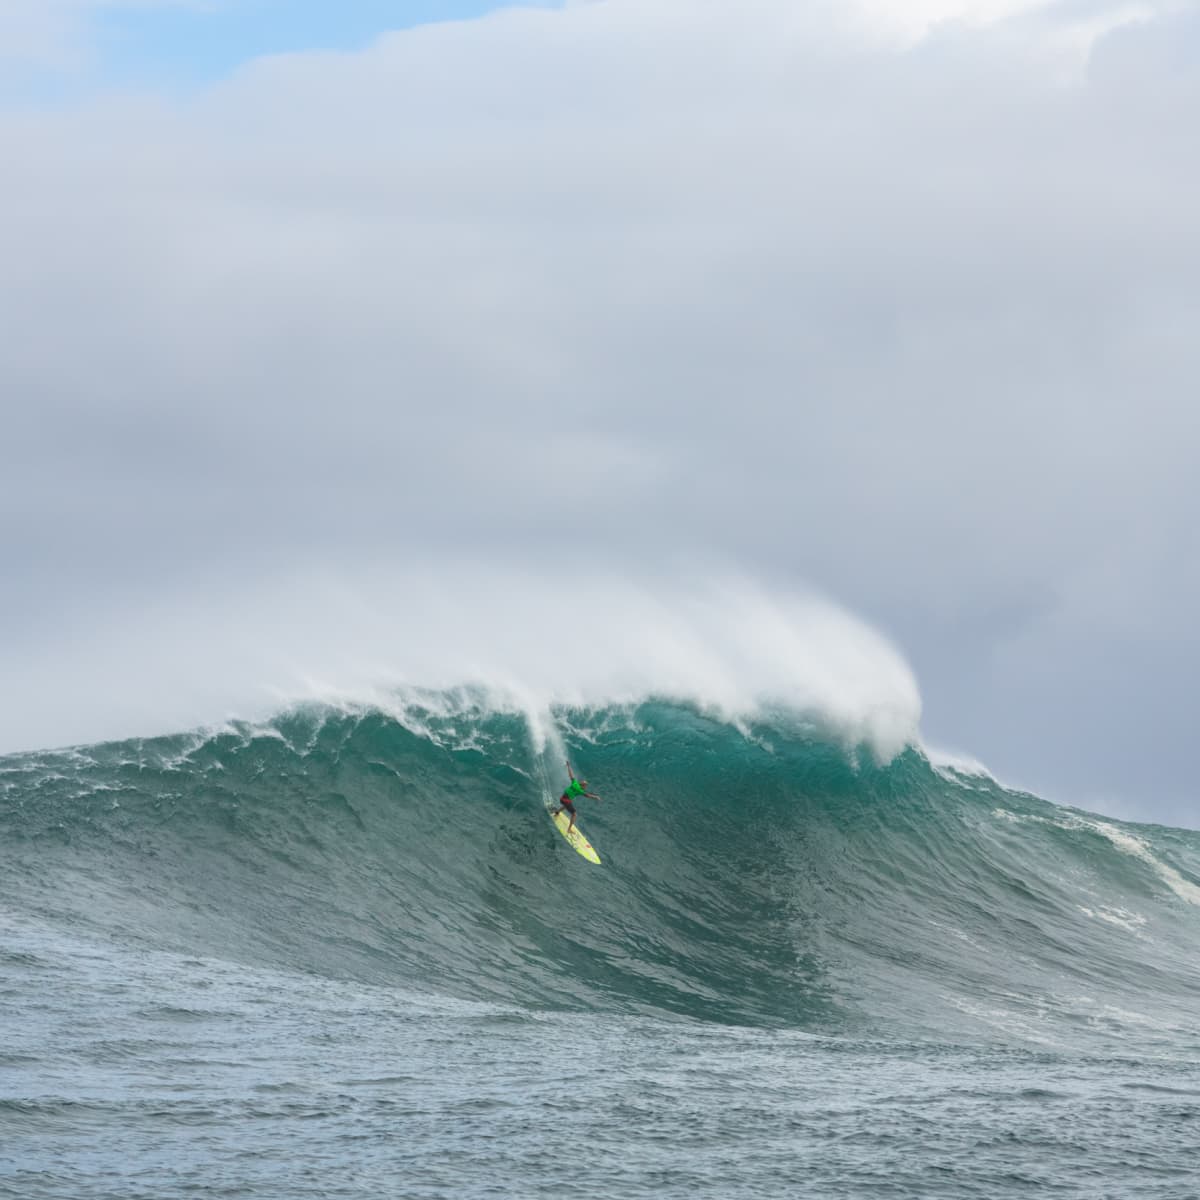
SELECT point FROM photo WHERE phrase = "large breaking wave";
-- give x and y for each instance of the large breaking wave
(757, 869)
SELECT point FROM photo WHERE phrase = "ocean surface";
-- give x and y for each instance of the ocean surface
(344, 953)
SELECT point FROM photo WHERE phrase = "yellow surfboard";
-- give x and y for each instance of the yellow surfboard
(581, 844)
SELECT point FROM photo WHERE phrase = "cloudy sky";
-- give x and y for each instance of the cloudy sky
(898, 302)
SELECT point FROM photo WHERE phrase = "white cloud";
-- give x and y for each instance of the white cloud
(56, 34)
(912, 320)
(38, 32)
(913, 20)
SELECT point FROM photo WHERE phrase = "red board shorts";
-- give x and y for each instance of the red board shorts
(568, 805)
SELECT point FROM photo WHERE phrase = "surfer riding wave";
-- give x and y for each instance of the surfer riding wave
(575, 789)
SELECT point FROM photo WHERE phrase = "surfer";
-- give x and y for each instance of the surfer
(575, 789)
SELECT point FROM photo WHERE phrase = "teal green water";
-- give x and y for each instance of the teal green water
(345, 954)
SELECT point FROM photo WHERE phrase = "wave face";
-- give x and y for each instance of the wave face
(754, 873)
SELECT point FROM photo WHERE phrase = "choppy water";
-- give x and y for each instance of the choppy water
(345, 954)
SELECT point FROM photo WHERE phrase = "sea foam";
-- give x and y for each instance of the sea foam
(531, 641)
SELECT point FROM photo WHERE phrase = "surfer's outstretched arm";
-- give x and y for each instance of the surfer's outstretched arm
(569, 771)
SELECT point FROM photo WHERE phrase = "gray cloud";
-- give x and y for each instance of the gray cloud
(908, 313)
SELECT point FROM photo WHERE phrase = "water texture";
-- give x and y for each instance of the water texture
(344, 953)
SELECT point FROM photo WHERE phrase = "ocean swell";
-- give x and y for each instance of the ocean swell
(756, 871)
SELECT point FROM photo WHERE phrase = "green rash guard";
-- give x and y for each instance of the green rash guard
(574, 788)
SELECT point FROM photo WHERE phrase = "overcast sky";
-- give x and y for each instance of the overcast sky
(897, 302)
